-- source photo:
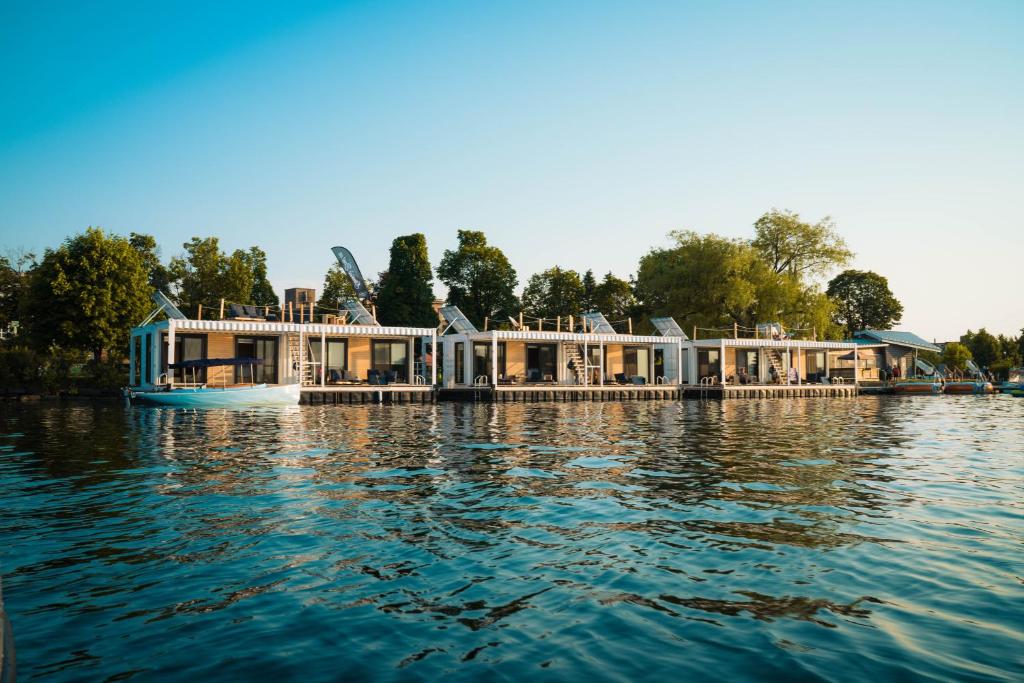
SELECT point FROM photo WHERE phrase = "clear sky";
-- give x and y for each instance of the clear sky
(575, 134)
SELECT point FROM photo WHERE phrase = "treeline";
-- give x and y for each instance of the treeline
(996, 354)
(76, 304)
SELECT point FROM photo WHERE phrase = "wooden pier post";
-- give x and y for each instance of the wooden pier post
(630, 321)
(222, 309)
(199, 315)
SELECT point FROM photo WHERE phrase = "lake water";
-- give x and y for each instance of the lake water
(875, 538)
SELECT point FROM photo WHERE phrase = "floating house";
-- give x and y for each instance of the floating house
(588, 359)
(880, 350)
(770, 363)
(341, 359)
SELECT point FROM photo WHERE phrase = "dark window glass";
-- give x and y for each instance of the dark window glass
(264, 348)
(460, 356)
(147, 356)
(482, 360)
(636, 361)
(659, 362)
(392, 356)
(186, 347)
(540, 362)
(707, 364)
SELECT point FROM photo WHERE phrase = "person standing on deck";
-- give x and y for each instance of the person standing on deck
(793, 375)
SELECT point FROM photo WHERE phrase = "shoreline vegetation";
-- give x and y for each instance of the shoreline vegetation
(66, 315)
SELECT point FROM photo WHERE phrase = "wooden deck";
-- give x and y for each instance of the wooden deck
(536, 393)
(364, 393)
(729, 391)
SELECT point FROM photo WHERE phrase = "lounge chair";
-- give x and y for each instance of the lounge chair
(621, 378)
(390, 377)
(637, 379)
(374, 378)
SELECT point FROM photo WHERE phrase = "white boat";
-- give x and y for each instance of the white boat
(200, 395)
(221, 397)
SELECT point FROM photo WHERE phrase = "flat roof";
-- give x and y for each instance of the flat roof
(271, 327)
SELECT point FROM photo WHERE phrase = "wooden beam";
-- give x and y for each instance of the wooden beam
(222, 309)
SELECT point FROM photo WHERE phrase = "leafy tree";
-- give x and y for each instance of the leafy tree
(956, 355)
(863, 300)
(790, 245)
(86, 294)
(714, 282)
(406, 296)
(159, 275)
(14, 271)
(262, 291)
(613, 297)
(337, 288)
(480, 279)
(984, 347)
(589, 288)
(555, 292)
(205, 275)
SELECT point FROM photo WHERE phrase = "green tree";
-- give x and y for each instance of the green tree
(14, 276)
(956, 355)
(337, 289)
(589, 290)
(262, 291)
(87, 294)
(984, 347)
(159, 275)
(205, 275)
(790, 245)
(555, 292)
(406, 296)
(613, 296)
(480, 279)
(863, 301)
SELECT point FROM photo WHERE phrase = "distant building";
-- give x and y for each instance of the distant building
(301, 302)
(881, 349)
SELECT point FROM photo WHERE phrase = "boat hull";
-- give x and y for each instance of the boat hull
(232, 397)
(968, 388)
(918, 388)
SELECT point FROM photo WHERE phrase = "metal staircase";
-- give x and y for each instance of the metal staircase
(298, 360)
(775, 361)
(581, 366)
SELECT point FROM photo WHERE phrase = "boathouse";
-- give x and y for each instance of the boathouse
(345, 358)
(882, 349)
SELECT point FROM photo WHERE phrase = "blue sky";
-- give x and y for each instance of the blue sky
(575, 134)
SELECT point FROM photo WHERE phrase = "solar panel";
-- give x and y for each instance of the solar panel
(596, 322)
(456, 320)
(357, 313)
(668, 327)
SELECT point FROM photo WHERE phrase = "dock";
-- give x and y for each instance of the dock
(729, 391)
(360, 393)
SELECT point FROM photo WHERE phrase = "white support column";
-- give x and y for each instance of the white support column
(651, 379)
(433, 354)
(323, 356)
(467, 361)
(600, 346)
(679, 362)
(721, 359)
(494, 358)
(789, 361)
(856, 370)
(410, 359)
(170, 351)
(691, 367)
(132, 360)
(154, 365)
(826, 364)
(586, 363)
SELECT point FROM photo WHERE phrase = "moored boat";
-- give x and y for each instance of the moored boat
(220, 397)
(968, 386)
(926, 387)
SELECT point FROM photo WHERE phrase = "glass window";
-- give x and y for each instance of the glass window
(746, 359)
(264, 348)
(147, 356)
(186, 347)
(337, 359)
(540, 362)
(482, 359)
(708, 364)
(659, 362)
(636, 362)
(460, 358)
(137, 368)
(392, 356)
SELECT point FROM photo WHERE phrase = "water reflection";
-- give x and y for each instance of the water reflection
(575, 539)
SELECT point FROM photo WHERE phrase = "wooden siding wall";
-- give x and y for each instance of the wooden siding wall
(360, 359)
(515, 359)
(614, 362)
(220, 345)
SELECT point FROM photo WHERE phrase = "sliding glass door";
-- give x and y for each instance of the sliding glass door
(541, 361)
(263, 348)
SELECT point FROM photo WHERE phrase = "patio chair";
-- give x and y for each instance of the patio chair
(637, 379)
(373, 378)
(334, 377)
(390, 377)
(621, 378)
